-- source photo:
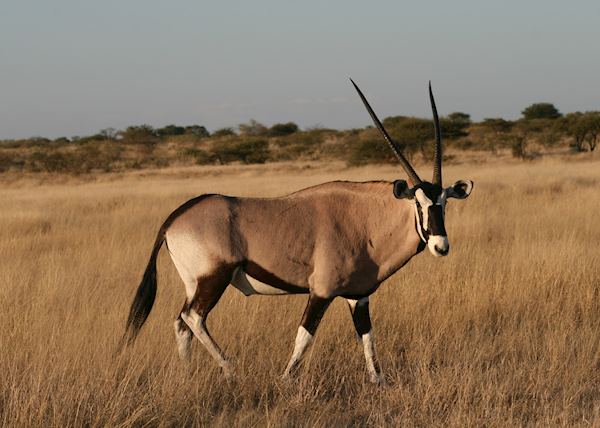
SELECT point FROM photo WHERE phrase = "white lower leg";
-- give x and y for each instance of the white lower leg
(303, 340)
(183, 336)
(369, 348)
(196, 324)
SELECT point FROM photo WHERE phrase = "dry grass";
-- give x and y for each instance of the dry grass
(504, 331)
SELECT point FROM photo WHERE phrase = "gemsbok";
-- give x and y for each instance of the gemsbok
(336, 239)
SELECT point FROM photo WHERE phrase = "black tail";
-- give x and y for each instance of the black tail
(144, 297)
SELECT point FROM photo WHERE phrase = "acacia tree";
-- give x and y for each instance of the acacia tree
(517, 137)
(142, 134)
(460, 117)
(109, 133)
(575, 127)
(223, 132)
(541, 111)
(591, 123)
(412, 133)
(197, 130)
(499, 128)
(252, 129)
(170, 130)
(282, 129)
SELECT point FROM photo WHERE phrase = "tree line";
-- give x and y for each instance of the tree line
(141, 146)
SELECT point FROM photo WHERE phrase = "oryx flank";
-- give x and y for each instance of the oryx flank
(337, 239)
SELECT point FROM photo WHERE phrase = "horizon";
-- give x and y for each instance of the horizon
(237, 131)
(74, 69)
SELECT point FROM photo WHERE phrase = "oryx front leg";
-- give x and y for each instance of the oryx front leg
(362, 324)
(313, 313)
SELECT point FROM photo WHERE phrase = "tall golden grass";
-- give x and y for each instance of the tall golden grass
(503, 331)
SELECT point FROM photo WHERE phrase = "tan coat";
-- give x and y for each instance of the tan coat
(334, 239)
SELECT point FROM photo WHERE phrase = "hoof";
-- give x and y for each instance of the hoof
(228, 371)
(376, 379)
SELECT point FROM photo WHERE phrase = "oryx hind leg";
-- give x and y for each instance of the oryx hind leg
(362, 324)
(209, 290)
(183, 337)
(315, 309)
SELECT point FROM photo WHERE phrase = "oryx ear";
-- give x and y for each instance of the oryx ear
(460, 190)
(401, 190)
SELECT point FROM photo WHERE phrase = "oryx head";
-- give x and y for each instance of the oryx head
(429, 198)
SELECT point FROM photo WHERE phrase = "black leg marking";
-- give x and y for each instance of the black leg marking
(315, 309)
(361, 318)
(209, 291)
(362, 324)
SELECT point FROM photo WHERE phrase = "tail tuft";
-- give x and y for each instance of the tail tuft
(144, 297)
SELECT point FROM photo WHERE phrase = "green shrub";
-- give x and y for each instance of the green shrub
(201, 157)
(246, 151)
(143, 134)
(170, 130)
(368, 149)
(197, 130)
(223, 132)
(281, 129)
(56, 162)
(7, 162)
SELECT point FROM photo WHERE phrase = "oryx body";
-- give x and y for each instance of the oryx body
(338, 239)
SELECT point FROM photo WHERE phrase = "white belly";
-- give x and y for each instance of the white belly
(248, 285)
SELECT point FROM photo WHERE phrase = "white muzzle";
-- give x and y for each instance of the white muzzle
(438, 245)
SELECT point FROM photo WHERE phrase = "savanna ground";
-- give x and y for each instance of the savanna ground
(503, 331)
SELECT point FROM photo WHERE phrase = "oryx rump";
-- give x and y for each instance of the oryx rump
(335, 239)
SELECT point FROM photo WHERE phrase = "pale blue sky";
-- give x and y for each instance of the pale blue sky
(73, 67)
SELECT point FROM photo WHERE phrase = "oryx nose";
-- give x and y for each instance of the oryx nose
(438, 245)
(443, 250)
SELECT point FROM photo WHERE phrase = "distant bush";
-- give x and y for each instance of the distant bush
(197, 130)
(252, 129)
(246, 151)
(518, 146)
(143, 134)
(300, 144)
(541, 111)
(170, 130)
(466, 144)
(460, 117)
(223, 132)
(56, 162)
(7, 162)
(365, 147)
(281, 129)
(201, 157)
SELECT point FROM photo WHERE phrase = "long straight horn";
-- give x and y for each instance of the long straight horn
(412, 175)
(437, 159)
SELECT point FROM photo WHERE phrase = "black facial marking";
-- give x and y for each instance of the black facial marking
(435, 212)
(420, 222)
(436, 221)
(432, 191)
